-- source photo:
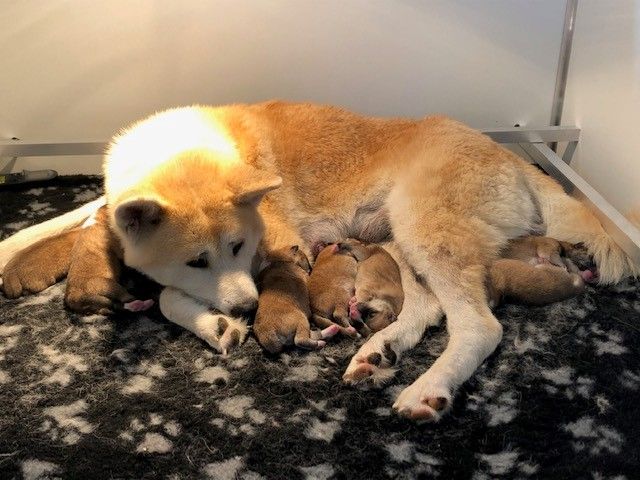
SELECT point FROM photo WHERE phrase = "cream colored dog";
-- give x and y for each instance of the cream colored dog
(193, 192)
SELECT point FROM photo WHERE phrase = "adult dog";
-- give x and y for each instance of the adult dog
(195, 192)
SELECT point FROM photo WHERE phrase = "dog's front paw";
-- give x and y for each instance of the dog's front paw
(373, 363)
(17, 282)
(423, 401)
(101, 295)
(223, 333)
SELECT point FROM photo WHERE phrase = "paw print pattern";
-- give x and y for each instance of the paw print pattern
(151, 436)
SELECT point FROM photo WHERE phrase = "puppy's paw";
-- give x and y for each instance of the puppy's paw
(372, 364)
(138, 305)
(221, 332)
(423, 401)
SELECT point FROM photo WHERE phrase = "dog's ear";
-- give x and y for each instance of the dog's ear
(138, 216)
(250, 185)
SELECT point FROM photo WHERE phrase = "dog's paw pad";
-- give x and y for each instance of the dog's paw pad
(437, 403)
(371, 364)
(358, 374)
(423, 401)
(374, 359)
(420, 413)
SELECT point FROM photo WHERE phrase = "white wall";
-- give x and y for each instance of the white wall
(80, 69)
(603, 98)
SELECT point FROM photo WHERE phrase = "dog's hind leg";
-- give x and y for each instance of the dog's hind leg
(451, 253)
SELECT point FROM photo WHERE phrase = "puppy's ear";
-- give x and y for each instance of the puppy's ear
(138, 216)
(250, 185)
(295, 249)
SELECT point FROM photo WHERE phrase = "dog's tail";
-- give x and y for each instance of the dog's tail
(567, 219)
(27, 237)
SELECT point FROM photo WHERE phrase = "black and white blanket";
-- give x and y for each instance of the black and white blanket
(134, 396)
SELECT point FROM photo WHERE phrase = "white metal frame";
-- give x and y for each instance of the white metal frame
(532, 140)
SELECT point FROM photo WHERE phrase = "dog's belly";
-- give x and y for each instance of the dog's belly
(369, 223)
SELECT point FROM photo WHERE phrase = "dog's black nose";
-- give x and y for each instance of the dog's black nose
(245, 309)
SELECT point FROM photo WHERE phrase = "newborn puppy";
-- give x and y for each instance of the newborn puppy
(535, 271)
(283, 305)
(378, 295)
(331, 286)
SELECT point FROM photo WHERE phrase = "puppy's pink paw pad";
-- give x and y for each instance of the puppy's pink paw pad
(330, 331)
(138, 305)
(354, 313)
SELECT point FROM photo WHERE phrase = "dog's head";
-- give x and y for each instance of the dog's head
(194, 225)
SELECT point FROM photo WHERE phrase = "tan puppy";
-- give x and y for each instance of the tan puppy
(283, 305)
(534, 270)
(331, 286)
(378, 288)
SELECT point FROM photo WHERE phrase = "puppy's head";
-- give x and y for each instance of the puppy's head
(194, 225)
(288, 255)
(376, 314)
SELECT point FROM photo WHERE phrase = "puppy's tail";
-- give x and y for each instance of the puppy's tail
(27, 237)
(569, 220)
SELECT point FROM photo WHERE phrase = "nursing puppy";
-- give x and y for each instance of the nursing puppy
(378, 295)
(283, 312)
(535, 270)
(331, 286)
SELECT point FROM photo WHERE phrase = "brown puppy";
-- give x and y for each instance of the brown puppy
(283, 305)
(535, 271)
(378, 295)
(331, 286)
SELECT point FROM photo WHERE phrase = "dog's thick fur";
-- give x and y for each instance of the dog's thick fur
(185, 188)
